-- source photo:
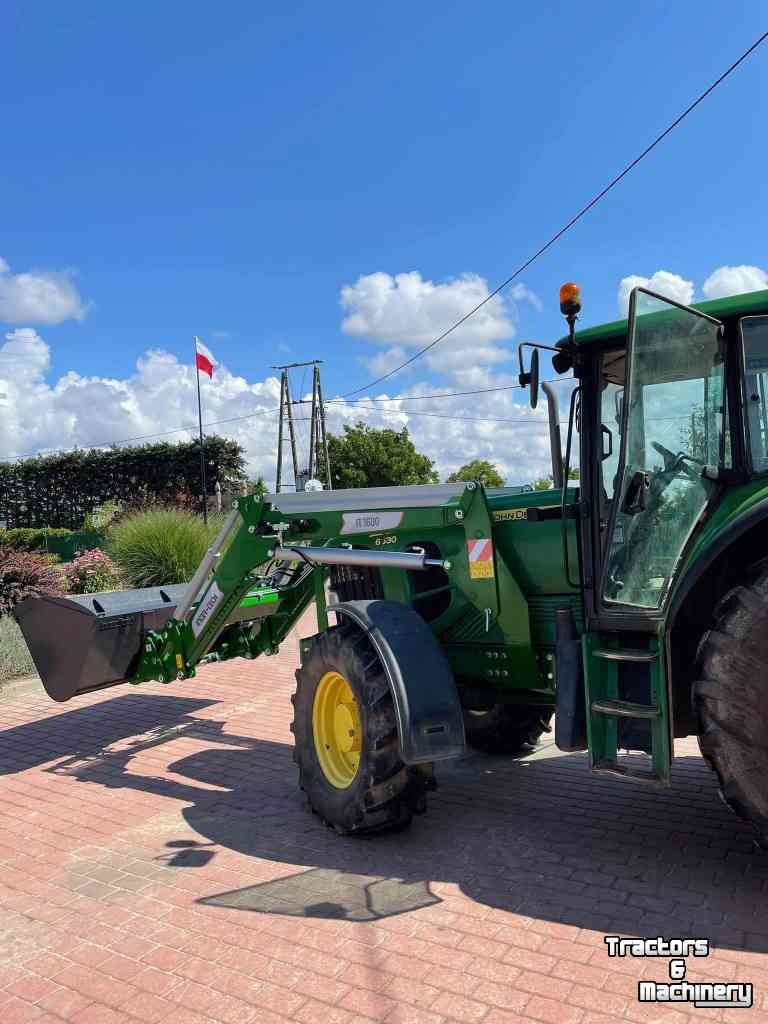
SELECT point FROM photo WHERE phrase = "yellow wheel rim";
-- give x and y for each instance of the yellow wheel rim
(337, 730)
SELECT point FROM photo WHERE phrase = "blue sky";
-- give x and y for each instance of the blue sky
(227, 171)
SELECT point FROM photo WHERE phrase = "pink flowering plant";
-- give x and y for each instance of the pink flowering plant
(91, 572)
(26, 574)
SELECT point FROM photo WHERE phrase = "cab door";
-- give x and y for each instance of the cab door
(672, 420)
(672, 441)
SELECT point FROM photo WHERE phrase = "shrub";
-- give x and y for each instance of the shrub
(161, 545)
(91, 572)
(15, 659)
(26, 574)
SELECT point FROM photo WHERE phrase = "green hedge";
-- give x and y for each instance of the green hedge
(31, 538)
(58, 541)
(61, 490)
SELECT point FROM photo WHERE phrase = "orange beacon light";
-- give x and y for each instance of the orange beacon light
(570, 299)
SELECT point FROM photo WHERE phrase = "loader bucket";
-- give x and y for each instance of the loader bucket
(88, 642)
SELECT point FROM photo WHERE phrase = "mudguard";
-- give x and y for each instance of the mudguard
(570, 706)
(429, 717)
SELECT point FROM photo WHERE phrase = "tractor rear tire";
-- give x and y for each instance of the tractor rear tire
(506, 728)
(346, 741)
(730, 697)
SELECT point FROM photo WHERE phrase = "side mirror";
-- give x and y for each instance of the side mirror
(530, 379)
(533, 379)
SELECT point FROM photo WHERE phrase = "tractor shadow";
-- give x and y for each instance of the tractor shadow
(537, 836)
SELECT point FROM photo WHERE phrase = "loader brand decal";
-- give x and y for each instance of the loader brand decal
(510, 515)
(480, 553)
(208, 606)
(370, 522)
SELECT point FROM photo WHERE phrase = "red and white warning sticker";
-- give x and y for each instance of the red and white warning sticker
(480, 553)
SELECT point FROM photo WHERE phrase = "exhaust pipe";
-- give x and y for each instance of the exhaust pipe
(82, 643)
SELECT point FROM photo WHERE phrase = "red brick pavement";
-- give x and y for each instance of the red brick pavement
(157, 863)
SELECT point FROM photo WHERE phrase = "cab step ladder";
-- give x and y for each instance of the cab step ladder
(602, 660)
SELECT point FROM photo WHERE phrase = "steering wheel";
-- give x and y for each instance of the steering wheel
(674, 463)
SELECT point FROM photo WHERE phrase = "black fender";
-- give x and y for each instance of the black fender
(570, 697)
(429, 717)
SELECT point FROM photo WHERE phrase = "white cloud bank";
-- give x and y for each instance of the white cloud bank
(663, 282)
(733, 281)
(38, 415)
(721, 282)
(39, 296)
(405, 312)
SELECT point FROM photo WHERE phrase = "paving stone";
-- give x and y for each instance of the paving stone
(157, 863)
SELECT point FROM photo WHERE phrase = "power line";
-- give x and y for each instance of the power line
(566, 227)
(421, 398)
(480, 419)
(468, 419)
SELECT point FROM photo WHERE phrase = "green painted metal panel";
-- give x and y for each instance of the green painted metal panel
(259, 597)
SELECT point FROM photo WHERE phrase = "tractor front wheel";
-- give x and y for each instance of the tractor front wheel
(730, 698)
(346, 743)
(506, 728)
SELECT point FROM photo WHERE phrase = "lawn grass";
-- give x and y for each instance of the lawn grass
(15, 659)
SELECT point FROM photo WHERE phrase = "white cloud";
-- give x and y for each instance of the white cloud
(734, 280)
(408, 312)
(39, 414)
(522, 293)
(384, 362)
(663, 282)
(39, 296)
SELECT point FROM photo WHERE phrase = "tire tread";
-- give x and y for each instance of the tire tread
(729, 698)
(393, 792)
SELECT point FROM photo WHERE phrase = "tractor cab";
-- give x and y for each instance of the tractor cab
(657, 450)
(672, 418)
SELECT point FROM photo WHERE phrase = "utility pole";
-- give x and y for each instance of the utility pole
(286, 412)
(318, 440)
(280, 433)
(323, 435)
(313, 423)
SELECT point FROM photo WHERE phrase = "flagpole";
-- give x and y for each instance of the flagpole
(202, 450)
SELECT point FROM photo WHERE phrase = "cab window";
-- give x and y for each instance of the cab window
(612, 374)
(754, 338)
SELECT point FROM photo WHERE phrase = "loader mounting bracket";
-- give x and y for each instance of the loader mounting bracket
(429, 716)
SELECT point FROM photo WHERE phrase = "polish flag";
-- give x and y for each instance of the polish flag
(204, 358)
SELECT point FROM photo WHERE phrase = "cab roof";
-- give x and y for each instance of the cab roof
(733, 305)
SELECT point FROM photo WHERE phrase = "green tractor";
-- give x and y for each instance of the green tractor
(633, 607)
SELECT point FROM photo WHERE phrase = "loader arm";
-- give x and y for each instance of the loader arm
(231, 609)
(269, 562)
(215, 621)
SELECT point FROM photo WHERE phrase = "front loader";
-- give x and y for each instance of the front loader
(632, 604)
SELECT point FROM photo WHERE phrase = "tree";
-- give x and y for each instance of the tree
(367, 457)
(546, 483)
(257, 486)
(478, 469)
